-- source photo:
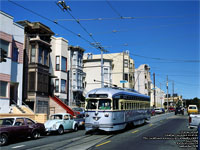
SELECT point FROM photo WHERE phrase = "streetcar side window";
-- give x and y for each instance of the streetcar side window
(122, 106)
(115, 104)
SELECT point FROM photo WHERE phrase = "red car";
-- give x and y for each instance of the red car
(171, 109)
(19, 127)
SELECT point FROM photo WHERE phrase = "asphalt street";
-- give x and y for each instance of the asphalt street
(158, 134)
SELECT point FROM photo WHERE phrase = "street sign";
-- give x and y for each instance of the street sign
(123, 81)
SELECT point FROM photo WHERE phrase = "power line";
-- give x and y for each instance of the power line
(114, 9)
(54, 23)
(173, 60)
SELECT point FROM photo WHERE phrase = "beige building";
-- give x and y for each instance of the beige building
(143, 79)
(92, 68)
(118, 70)
(123, 67)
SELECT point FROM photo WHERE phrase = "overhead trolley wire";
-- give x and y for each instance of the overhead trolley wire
(53, 22)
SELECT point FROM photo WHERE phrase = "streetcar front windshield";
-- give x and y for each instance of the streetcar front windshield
(101, 104)
(92, 104)
(104, 104)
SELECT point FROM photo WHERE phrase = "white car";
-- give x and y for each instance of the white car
(61, 122)
(158, 110)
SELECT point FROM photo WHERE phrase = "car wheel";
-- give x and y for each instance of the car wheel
(76, 127)
(35, 134)
(3, 139)
(60, 130)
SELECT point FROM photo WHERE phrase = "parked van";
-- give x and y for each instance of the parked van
(192, 109)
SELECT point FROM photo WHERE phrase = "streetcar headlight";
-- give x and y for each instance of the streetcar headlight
(87, 115)
(106, 115)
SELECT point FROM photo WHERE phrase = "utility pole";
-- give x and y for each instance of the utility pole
(123, 71)
(167, 96)
(102, 77)
(154, 90)
(160, 96)
(173, 91)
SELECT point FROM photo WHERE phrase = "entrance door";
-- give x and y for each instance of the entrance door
(13, 93)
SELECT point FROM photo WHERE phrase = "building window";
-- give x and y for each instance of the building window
(15, 54)
(3, 88)
(56, 85)
(32, 53)
(40, 55)
(46, 58)
(63, 86)
(125, 63)
(145, 86)
(131, 66)
(126, 76)
(4, 45)
(64, 64)
(105, 71)
(31, 81)
(57, 63)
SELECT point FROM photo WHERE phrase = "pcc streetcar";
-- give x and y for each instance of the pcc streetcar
(112, 109)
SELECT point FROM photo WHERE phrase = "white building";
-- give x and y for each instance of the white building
(59, 67)
(143, 79)
(159, 97)
(92, 68)
(76, 75)
(11, 71)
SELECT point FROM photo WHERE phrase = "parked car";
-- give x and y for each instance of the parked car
(194, 121)
(179, 110)
(80, 119)
(192, 109)
(61, 122)
(159, 110)
(19, 127)
(171, 109)
(78, 110)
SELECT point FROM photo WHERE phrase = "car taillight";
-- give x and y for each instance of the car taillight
(190, 119)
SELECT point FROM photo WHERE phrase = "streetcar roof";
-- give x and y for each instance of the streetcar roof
(111, 92)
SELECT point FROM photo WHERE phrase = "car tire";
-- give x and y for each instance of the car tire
(60, 130)
(35, 134)
(76, 128)
(3, 139)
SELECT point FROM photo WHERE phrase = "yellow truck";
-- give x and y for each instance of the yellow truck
(192, 109)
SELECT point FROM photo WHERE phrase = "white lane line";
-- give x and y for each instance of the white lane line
(18, 146)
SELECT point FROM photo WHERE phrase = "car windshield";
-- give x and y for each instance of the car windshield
(77, 109)
(192, 107)
(101, 104)
(7, 121)
(56, 117)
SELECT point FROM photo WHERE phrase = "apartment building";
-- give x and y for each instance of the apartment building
(92, 68)
(76, 75)
(11, 71)
(159, 97)
(59, 68)
(36, 77)
(123, 68)
(143, 80)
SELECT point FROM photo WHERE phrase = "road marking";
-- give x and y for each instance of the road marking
(18, 146)
(135, 131)
(150, 125)
(103, 143)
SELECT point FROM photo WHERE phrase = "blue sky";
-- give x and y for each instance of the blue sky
(163, 34)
